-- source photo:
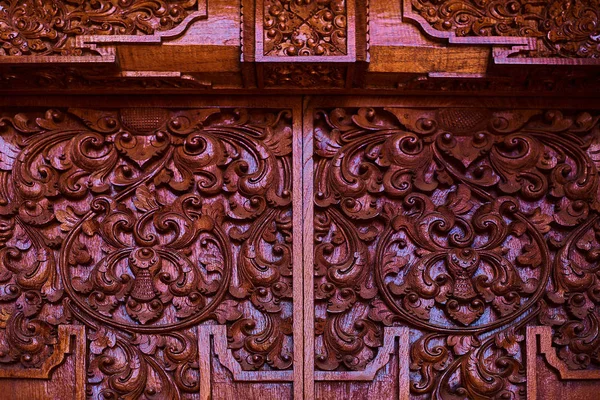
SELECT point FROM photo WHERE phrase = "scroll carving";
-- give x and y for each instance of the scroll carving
(141, 225)
(466, 225)
(559, 28)
(32, 28)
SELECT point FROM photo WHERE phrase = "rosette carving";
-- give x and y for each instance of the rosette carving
(464, 224)
(141, 225)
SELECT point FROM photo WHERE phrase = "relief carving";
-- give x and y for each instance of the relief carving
(561, 28)
(305, 28)
(466, 225)
(33, 28)
(142, 225)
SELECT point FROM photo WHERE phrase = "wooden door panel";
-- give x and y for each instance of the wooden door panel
(466, 225)
(151, 248)
(165, 236)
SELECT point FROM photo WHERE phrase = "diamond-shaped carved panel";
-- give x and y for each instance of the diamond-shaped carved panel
(305, 28)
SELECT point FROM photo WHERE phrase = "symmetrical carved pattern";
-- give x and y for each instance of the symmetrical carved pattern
(465, 225)
(29, 27)
(142, 224)
(563, 28)
(305, 28)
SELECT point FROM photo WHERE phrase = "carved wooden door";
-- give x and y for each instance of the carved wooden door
(343, 247)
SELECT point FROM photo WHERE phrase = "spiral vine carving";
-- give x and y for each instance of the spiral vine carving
(143, 224)
(465, 225)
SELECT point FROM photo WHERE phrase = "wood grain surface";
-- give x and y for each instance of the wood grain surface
(277, 199)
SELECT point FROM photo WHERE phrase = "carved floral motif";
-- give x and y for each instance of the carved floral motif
(29, 27)
(464, 224)
(142, 224)
(566, 28)
(305, 28)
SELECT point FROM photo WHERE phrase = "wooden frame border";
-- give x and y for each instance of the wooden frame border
(308, 260)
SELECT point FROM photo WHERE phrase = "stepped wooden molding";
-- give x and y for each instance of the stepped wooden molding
(566, 31)
(61, 28)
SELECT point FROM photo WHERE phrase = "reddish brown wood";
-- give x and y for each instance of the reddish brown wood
(433, 218)
(143, 225)
(150, 212)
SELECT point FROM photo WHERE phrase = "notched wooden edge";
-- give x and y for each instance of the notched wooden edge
(157, 37)
(539, 341)
(384, 354)
(213, 338)
(71, 338)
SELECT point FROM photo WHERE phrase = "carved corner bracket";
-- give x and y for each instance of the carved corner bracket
(391, 336)
(539, 342)
(212, 339)
(71, 339)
